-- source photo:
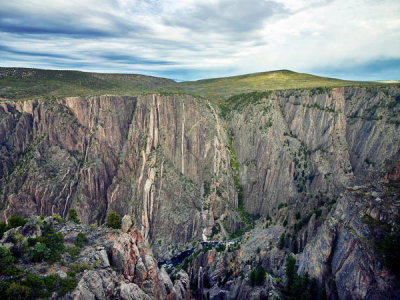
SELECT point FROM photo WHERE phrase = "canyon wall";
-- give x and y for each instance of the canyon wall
(161, 159)
(292, 145)
(167, 159)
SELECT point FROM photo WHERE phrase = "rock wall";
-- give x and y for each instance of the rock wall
(165, 159)
(293, 144)
(343, 255)
(161, 159)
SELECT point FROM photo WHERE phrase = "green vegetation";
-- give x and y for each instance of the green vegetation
(80, 240)
(79, 244)
(34, 286)
(74, 252)
(40, 252)
(23, 83)
(7, 263)
(16, 221)
(13, 222)
(221, 247)
(223, 88)
(257, 276)
(17, 291)
(114, 220)
(240, 101)
(53, 242)
(245, 216)
(298, 286)
(73, 216)
(207, 189)
(388, 244)
(67, 285)
(304, 221)
(20, 284)
(282, 205)
(57, 217)
(282, 241)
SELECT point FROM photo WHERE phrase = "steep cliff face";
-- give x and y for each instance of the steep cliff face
(161, 159)
(350, 253)
(183, 172)
(294, 144)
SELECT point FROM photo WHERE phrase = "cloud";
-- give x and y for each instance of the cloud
(192, 39)
(226, 16)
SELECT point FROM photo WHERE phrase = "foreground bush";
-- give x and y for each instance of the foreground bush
(17, 291)
(52, 240)
(13, 222)
(114, 220)
(7, 260)
(73, 216)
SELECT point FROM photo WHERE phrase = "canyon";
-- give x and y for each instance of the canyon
(311, 165)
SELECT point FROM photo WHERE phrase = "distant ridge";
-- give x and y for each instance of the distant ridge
(26, 83)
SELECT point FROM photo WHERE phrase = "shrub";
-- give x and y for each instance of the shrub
(215, 229)
(282, 205)
(71, 273)
(281, 241)
(114, 220)
(40, 252)
(53, 240)
(73, 216)
(74, 252)
(3, 228)
(15, 221)
(7, 261)
(67, 285)
(257, 276)
(17, 291)
(51, 282)
(58, 217)
(206, 188)
(80, 267)
(388, 246)
(80, 240)
(36, 285)
(290, 269)
(298, 286)
(221, 247)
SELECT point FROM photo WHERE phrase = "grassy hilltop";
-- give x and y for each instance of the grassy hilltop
(23, 83)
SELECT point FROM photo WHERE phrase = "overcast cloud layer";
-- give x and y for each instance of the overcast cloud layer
(193, 39)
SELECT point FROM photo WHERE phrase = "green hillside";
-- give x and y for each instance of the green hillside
(223, 88)
(23, 83)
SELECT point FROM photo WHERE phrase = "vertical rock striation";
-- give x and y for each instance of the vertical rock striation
(161, 159)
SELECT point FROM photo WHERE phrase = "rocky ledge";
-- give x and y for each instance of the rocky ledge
(53, 258)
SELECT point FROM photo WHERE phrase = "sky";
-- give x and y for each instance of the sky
(195, 39)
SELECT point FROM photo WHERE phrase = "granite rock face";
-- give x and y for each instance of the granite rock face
(292, 143)
(161, 159)
(311, 163)
(343, 253)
